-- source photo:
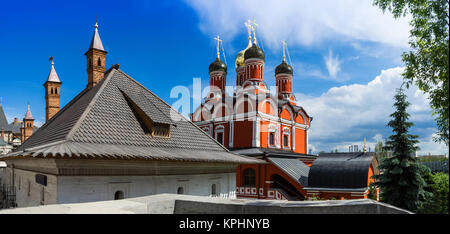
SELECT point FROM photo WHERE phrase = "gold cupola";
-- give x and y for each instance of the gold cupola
(239, 62)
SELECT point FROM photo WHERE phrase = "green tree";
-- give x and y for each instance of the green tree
(438, 184)
(427, 63)
(400, 181)
(440, 190)
(380, 152)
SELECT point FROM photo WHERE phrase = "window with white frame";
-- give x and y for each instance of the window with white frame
(286, 137)
(219, 134)
(272, 136)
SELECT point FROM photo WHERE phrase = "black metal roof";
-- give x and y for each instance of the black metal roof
(295, 168)
(341, 170)
(100, 122)
(437, 166)
(258, 151)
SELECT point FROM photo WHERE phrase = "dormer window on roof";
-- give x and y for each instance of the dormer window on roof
(149, 116)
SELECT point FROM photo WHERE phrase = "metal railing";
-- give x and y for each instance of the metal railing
(7, 196)
(290, 194)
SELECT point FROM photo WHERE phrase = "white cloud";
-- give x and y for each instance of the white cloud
(333, 64)
(346, 114)
(302, 22)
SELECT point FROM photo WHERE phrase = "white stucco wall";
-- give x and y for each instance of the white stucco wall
(74, 189)
(28, 192)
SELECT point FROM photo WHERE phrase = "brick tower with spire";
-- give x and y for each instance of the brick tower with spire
(96, 59)
(52, 93)
(28, 125)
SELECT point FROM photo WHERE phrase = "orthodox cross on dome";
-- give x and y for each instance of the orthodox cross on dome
(218, 45)
(254, 25)
(283, 42)
(248, 24)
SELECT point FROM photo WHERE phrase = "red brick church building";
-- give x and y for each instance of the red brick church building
(258, 123)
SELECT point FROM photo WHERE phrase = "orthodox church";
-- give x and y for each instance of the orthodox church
(274, 127)
(116, 139)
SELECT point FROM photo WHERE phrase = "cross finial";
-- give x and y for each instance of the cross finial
(248, 24)
(283, 42)
(254, 25)
(218, 44)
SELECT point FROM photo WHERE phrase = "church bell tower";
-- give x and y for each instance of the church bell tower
(28, 125)
(96, 59)
(52, 93)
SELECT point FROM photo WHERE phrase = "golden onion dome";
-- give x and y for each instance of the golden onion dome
(239, 62)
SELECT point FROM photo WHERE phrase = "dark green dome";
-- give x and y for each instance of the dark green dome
(254, 52)
(217, 65)
(284, 68)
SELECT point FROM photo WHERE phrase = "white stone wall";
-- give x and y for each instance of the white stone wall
(74, 189)
(28, 192)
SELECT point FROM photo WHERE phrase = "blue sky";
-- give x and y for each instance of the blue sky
(346, 55)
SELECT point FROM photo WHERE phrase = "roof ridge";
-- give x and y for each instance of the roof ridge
(182, 116)
(90, 105)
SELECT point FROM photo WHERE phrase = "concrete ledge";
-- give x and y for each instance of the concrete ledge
(186, 204)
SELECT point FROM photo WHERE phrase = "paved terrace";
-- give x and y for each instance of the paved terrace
(186, 204)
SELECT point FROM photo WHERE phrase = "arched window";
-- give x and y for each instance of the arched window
(286, 140)
(118, 195)
(180, 190)
(272, 138)
(213, 190)
(99, 62)
(249, 177)
(51, 90)
(56, 90)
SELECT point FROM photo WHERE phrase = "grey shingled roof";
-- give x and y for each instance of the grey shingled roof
(293, 167)
(340, 170)
(99, 122)
(3, 121)
(15, 128)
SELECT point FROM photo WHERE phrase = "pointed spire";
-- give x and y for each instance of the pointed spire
(96, 43)
(364, 144)
(53, 76)
(284, 50)
(28, 115)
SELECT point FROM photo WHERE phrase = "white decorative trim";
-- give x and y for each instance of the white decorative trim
(286, 132)
(220, 129)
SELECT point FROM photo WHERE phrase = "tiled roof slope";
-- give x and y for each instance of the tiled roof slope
(99, 122)
(3, 121)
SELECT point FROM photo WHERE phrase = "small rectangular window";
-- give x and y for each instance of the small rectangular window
(272, 138)
(220, 137)
(286, 140)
